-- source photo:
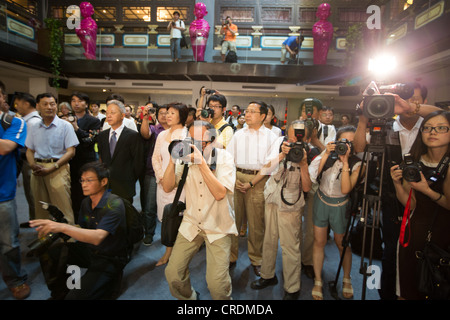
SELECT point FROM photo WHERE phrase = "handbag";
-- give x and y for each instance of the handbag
(433, 269)
(171, 219)
(183, 42)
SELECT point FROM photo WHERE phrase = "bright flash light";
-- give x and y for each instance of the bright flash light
(382, 65)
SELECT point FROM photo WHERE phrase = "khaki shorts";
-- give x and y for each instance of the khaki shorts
(228, 46)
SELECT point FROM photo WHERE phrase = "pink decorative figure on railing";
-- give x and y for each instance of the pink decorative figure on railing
(88, 30)
(199, 31)
(322, 34)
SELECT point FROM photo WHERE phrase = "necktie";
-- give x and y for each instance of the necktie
(112, 143)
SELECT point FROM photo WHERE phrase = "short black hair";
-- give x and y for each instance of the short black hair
(326, 108)
(423, 89)
(176, 12)
(24, 96)
(115, 96)
(183, 111)
(219, 98)
(344, 130)
(99, 168)
(45, 95)
(82, 96)
(263, 107)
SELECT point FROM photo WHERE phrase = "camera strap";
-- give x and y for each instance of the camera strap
(406, 220)
(441, 169)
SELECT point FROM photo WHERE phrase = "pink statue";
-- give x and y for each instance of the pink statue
(322, 34)
(199, 31)
(88, 30)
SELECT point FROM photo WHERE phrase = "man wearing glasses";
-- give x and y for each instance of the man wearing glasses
(326, 131)
(100, 244)
(252, 148)
(404, 130)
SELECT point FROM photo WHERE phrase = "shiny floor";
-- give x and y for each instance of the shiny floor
(144, 281)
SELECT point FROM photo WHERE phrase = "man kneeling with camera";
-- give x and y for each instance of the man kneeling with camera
(284, 198)
(100, 246)
(207, 218)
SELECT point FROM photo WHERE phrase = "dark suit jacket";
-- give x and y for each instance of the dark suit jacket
(126, 165)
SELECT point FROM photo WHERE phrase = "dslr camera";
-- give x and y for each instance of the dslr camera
(41, 245)
(341, 148)
(296, 152)
(410, 169)
(179, 149)
(310, 122)
(210, 91)
(207, 113)
(92, 136)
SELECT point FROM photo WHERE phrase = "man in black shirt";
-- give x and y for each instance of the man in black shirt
(100, 242)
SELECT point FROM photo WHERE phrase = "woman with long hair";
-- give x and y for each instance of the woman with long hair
(429, 200)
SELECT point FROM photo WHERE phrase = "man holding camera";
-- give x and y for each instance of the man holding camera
(51, 143)
(207, 218)
(86, 128)
(100, 246)
(284, 200)
(229, 32)
(176, 27)
(400, 136)
(292, 45)
(11, 138)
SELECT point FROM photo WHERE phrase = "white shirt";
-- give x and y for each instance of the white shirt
(331, 133)
(252, 149)
(100, 116)
(118, 132)
(176, 33)
(233, 120)
(276, 130)
(129, 123)
(407, 137)
(203, 212)
(330, 183)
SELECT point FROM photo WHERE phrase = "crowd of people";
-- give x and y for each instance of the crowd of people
(246, 176)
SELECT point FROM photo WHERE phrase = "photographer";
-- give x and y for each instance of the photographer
(284, 199)
(430, 199)
(292, 45)
(229, 31)
(399, 137)
(100, 244)
(337, 172)
(176, 27)
(207, 218)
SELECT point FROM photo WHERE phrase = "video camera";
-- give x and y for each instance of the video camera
(40, 245)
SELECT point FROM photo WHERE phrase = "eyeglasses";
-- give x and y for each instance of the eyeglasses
(252, 111)
(438, 129)
(89, 181)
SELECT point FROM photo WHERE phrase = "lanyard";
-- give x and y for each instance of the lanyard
(406, 219)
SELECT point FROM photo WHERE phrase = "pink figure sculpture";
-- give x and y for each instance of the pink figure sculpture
(88, 30)
(322, 34)
(199, 31)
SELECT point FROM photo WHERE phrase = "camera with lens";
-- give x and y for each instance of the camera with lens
(173, 23)
(179, 149)
(207, 113)
(226, 22)
(341, 148)
(71, 117)
(92, 136)
(310, 122)
(210, 91)
(410, 169)
(41, 245)
(296, 152)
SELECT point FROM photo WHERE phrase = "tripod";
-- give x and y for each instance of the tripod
(371, 203)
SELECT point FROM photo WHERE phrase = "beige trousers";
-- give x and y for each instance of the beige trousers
(217, 267)
(53, 188)
(285, 226)
(308, 228)
(251, 204)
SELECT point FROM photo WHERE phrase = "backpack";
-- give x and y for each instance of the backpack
(135, 225)
(231, 57)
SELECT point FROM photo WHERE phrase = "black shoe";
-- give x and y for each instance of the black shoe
(309, 271)
(257, 270)
(232, 264)
(148, 240)
(262, 283)
(291, 296)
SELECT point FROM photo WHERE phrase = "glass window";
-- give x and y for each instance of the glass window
(136, 13)
(280, 15)
(165, 14)
(352, 15)
(105, 13)
(307, 15)
(238, 14)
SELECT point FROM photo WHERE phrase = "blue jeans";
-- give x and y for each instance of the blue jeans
(175, 48)
(10, 261)
(149, 209)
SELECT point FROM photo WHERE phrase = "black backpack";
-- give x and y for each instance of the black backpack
(135, 225)
(231, 57)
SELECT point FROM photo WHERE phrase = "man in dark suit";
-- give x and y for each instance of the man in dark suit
(86, 127)
(121, 149)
